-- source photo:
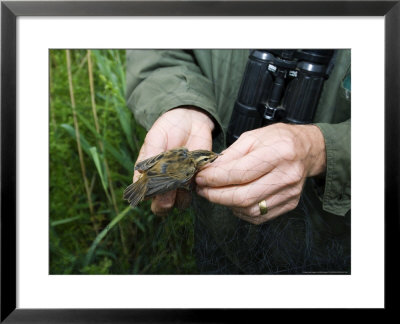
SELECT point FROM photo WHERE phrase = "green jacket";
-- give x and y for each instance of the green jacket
(159, 80)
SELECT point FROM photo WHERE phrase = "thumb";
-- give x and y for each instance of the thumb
(154, 144)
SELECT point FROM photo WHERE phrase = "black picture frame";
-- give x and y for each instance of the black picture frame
(10, 10)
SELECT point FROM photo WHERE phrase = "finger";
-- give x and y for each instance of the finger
(237, 150)
(162, 204)
(235, 196)
(254, 210)
(270, 185)
(154, 143)
(235, 172)
(272, 213)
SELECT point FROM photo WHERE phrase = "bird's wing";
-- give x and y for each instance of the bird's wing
(150, 162)
(161, 184)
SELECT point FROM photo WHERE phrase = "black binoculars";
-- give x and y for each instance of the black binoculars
(279, 86)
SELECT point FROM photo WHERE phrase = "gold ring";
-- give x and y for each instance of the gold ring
(263, 207)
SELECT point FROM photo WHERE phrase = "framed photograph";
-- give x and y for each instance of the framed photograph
(72, 249)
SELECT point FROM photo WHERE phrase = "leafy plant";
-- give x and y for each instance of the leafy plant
(92, 230)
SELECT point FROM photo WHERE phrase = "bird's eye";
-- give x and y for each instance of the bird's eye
(205, 159)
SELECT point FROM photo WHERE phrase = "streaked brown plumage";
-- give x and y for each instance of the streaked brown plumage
(167, 171)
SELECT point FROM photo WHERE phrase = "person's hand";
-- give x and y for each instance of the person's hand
(269, 163)
(189, 127)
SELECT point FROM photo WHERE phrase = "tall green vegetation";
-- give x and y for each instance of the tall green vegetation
(94, 142)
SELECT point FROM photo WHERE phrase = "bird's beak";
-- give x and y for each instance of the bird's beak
(215, 157)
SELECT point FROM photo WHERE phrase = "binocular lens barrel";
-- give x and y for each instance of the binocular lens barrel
(278, 87)
(255, 87)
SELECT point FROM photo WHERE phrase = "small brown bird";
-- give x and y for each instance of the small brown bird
(167, 171)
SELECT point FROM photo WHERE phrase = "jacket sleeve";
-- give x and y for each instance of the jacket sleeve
(159, 80)
(336, 187)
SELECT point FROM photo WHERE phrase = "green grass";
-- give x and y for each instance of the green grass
(92, 229)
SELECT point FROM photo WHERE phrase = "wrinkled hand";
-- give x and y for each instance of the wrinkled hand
(268, 163)
(189, 127)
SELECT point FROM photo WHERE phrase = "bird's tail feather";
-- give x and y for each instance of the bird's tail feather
(136, 191)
